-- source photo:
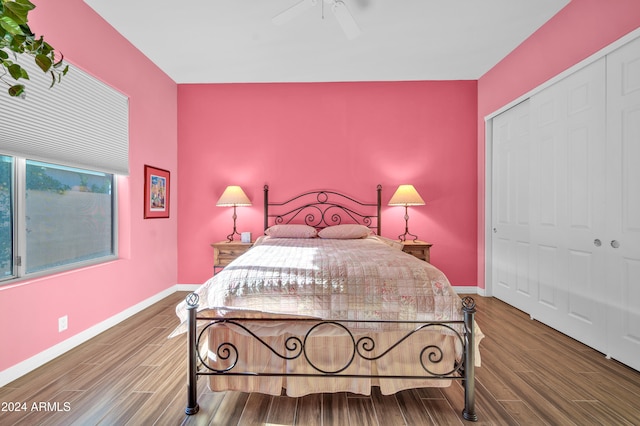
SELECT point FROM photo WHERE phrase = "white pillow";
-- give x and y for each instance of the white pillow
(291, 231)
(344, 232)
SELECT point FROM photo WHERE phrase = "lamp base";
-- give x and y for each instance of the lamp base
(230, 236)
(403, 237)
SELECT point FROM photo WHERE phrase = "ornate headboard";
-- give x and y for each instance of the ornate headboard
(323, 208)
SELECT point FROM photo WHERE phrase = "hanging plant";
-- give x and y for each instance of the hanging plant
(16, 38)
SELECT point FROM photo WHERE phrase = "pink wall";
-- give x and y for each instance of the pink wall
(579, 30)
(29, 310)
(348, 136)
(344, 136)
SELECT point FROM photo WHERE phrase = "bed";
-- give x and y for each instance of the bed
(323, 303)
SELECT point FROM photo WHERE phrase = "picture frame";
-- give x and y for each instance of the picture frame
(157, 186)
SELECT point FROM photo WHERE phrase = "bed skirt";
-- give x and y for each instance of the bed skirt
(335, 352)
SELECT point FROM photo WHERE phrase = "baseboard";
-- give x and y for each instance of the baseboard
(30, 364)
(467, 290)
(187, 287)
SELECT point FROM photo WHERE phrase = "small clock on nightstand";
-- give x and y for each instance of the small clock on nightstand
(417, 248)
(225, 252)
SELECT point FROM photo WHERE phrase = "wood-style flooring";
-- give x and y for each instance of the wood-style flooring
(132, 374)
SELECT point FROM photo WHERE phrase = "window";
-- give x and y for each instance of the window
(57, 173)
(53, 217)
(6, 217)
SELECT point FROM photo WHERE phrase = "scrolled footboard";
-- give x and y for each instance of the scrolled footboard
(294, 347)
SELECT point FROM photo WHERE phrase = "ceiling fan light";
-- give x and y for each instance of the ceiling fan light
(345, 19)
(295, 10)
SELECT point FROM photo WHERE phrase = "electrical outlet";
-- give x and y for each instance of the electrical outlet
(63, 323)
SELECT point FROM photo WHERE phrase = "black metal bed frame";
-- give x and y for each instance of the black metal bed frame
(362, 347)
(324, 208)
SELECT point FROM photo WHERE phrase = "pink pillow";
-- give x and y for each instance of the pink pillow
(344, 232)
(291, 231)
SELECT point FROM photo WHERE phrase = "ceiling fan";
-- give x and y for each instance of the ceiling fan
(338, 7)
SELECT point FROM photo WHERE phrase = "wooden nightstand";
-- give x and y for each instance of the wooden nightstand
(225, 252)
(417, 248)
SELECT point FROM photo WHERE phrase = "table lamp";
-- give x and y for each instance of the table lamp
(406, 195)
(233, 196)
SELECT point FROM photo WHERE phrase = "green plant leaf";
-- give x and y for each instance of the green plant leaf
(26, 3)
(16, 46)
(10, 25)
(15, 70)
(46, 48)
(57, 64)
(43, 62)
(17, 11)
(17, 38)
(27, 31)
(16, 90)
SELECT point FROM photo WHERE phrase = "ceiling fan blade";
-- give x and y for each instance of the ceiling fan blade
(295, 10)
(345, 19)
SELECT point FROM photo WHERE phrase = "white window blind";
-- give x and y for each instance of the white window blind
(80, 122)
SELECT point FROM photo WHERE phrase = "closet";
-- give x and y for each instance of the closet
(565, 205)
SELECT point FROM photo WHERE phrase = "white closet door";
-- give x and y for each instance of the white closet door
(623, 202)
(511, 207)
(566, 205)
(568, 197)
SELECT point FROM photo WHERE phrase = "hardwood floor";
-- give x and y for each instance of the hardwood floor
(132, 374)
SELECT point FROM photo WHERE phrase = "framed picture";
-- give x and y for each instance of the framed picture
(156, 192)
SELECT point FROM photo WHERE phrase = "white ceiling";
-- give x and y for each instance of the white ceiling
(215, 41)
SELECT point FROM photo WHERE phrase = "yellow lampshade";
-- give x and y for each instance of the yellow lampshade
(406, 195)
(233, 196)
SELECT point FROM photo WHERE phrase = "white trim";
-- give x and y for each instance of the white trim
(488, 204)
(28, 365)
(187, 287)
(488, 139)
(467, 290)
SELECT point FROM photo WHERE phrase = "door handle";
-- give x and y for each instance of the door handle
(615, 244)
(597, 242)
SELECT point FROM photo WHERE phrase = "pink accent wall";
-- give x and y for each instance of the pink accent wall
(579, 30)
(29, 310)
(341, 136)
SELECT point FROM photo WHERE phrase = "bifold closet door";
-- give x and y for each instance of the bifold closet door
(548, 206)
(568, 204)
(622, 243)
(510, 208)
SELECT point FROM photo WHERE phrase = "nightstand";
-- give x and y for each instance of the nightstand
(225, 252)
(417, 248)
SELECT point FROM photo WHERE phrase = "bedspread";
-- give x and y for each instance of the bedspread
(351, 280)
(355, 279)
